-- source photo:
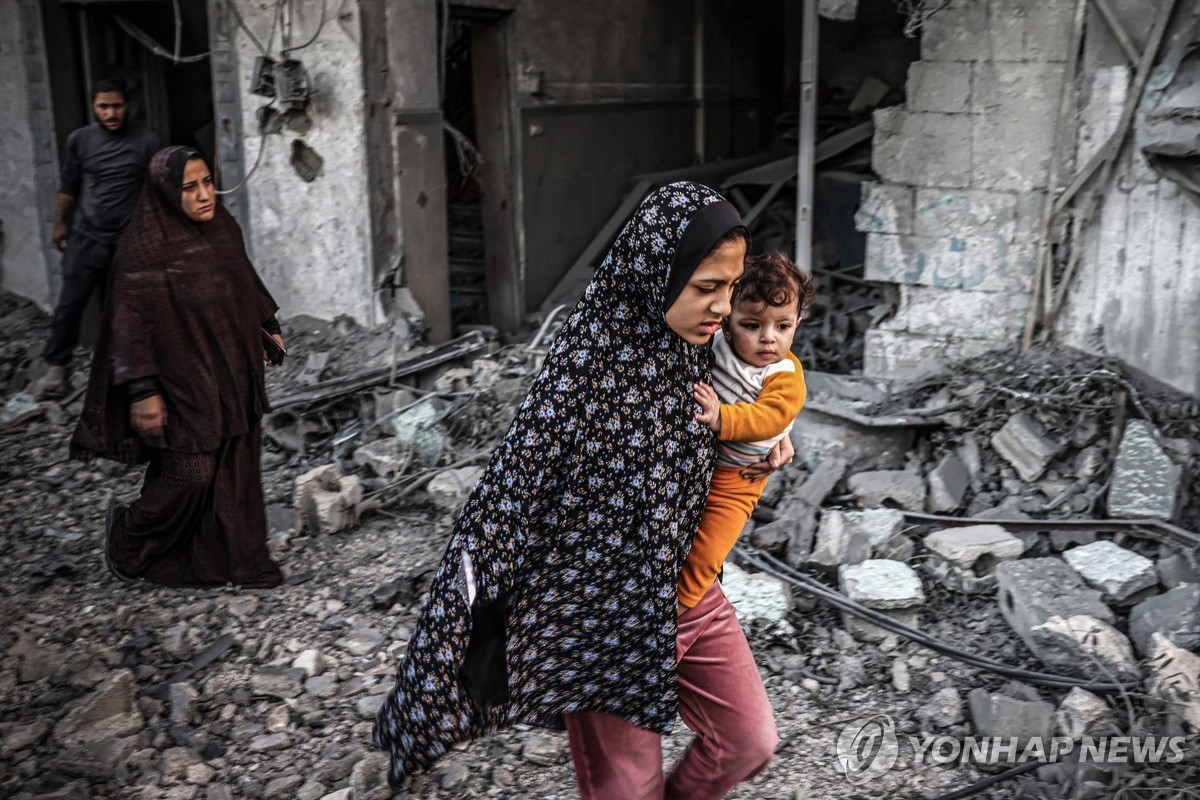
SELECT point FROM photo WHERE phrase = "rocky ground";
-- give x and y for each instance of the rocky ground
(109, 690)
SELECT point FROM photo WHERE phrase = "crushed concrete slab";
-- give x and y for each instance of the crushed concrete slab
(1174, 614)
(1023, 444)
(1176, 678)
(948, 484)
(1084, 646)
(965, 559)
(890, 587)
(879, 525)
(1032, 590)
(755, 595)
(874, 488)
(1002, 716)
(1112, 569)
(1082, 713)
(942, 710)
(109, 712)
(1146, 482)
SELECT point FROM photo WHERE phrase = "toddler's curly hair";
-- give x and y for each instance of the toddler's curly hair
(772, 279)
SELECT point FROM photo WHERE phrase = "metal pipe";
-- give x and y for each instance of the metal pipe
(698, 78)
(808, 133)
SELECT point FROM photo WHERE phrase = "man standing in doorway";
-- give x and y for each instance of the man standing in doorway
(102, 175)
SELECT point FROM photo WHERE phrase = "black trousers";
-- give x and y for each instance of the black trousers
(85, 266)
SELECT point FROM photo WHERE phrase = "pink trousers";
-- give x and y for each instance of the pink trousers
(721, 699)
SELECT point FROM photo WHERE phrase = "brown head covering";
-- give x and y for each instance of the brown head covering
(185, 308)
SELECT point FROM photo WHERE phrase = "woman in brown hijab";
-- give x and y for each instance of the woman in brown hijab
(177, 381)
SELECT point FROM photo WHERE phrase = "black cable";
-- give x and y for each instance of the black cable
(776, 568)
(991, 780)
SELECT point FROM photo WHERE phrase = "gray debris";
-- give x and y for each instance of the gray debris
(1112, 569)
(1082, 713)
(874, 489)
(1145, 481)
(1174, 614)
(1025, 446)
(1083, 646)
(948, 483)
(890, 587)
(965, 558)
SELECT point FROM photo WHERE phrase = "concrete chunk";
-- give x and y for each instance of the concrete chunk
(890, 587)
(1176, 678)
(965, 559)
(1174, 614)
(755, 595)
(109, 712)
(873, 488)
(1003, 716)
(839, 543)
(1024, 445)
(1145, 481)
(1082, 713)
(948, 482)
(1112, 569)
(1032, 590)
(326, 500)
(1084, 646)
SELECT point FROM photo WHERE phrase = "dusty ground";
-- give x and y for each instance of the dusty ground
(106, 691)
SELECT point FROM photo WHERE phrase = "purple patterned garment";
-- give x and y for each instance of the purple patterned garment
(582, 519)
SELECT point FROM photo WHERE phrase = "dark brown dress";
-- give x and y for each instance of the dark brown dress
(184, 311)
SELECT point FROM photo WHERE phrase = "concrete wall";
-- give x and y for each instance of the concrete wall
(1138, 287)
(963, 168)
(28, 167)
(954, 222)
(312, 241)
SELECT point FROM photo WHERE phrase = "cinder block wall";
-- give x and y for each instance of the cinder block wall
(953, 223)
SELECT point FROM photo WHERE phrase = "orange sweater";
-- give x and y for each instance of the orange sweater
(731, 498)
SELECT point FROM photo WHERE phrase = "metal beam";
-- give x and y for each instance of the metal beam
(808, 133)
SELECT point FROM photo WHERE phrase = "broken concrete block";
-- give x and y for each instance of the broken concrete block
(897, 548)
(1082, 713)
(1176, 678)
(944, 709)
(755, 595)
(1084, 646)
(838, 543)
(965, 559)
(450, 488)
(890, 587)
(1002, 716)
(1023, 444)
(1032, 590)
(420, 428)
(939, 86)
(326, 500)
(872, 489)
(385, 457)
(19, 408)
(1145, 481)
(454, 379)
(1112, 569)
(1175, 568)
(948, 482)
(878, 524)
(1063, 540)
(1174, 614)
(109, 712)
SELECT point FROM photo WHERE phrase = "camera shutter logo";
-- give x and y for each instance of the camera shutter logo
(867, 748)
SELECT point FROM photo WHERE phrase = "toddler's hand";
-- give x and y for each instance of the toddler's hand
(710, 406)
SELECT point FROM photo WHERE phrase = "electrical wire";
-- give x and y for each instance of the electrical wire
(237, 15)
(772, 566)
(311, 39)
(262, 145)
(148, 42)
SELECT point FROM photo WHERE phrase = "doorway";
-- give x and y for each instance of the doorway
(485, 278)
(159, 51)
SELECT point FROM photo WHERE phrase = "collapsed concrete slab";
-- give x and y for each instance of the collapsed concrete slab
(890, 587)
(1032, 590)
(1024, 445)
(1174, 614)
(1084, 646)
(1112, 569)
(1146, 482)
(965, 559)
